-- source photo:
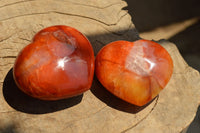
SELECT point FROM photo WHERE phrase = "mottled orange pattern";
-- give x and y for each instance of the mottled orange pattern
(134, 71)
(58, 64)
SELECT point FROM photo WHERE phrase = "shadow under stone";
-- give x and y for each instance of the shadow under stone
(108, 98)
(24, 103)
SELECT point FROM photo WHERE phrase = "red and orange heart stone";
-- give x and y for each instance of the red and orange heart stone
(59, 63)
(134, 71)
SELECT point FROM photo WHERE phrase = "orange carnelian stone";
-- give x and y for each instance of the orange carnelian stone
(134, 71)
(59, 63)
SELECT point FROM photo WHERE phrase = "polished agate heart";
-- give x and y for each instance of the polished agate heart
(58, 64)
(134, 71)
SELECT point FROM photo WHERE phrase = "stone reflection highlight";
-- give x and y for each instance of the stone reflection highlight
(134, 71)
(58, 64)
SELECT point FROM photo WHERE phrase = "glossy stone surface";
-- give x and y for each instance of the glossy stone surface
(59, 63)
(134, 71)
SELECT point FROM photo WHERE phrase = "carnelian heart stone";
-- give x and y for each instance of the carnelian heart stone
(134, 71)
(57, 64)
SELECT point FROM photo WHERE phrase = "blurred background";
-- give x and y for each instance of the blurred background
(175, 20)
